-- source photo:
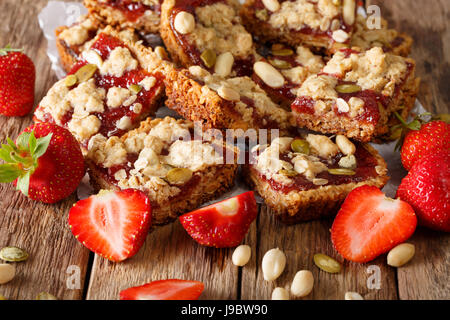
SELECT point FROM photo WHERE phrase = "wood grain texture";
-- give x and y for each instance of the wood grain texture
(168, 253)
(300, 243)
(428, 274)
(40, 229)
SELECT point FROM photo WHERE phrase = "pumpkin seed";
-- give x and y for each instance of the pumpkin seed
(208, 57)
(179, 175)
(342, 172)
(135, 88)
(280, 64)
(300, 146)
(262, 14)
(70, 80)
(86, 72)
(45, 296)
(13, 254)
(288, 173)
(348, 88)
(326, 263)
(2, 297)
(283, 52)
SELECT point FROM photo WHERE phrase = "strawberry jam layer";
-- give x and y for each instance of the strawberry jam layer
(103, 46)
(365, 170)
(132, 10)
(305, 29)
(242, 67)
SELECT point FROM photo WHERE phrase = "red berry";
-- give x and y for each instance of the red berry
(431, 138)
(113, 224)
(426, 189)
(17, 80)
(370, 224)
(223, 224)
(46, 165)
(172, 289)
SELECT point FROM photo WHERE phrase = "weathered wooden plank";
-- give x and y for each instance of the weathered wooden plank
(300, 243)
(168, 253)
(427, 275)
(40, 229)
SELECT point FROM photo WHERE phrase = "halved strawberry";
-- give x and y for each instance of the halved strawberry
(370, 224)
(223, 224)
(172, 289)
(113, 224)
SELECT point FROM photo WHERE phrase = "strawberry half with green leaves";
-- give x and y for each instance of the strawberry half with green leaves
(426, 189)
(223, 224)
(420, 138)
(370, 224)
(172, 289)
(45, 163)
(113, 224)
(17, 80)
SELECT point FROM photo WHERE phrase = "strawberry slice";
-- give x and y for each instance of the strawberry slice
(172, 289)
(113, 224)
(370, 224)
(223, 224)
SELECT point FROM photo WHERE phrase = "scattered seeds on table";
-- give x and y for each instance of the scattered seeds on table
(280, 294)
(400, 255)
(241, 255)
(327, 263)
(7, 272)
(13, 254)
(45, 296)
(353, 296)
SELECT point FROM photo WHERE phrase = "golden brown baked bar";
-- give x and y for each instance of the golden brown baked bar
(291, 65)
(72, 40)
(308, 177)
(162, 158)
(356, 94)
(114, 85)
(389, 39)
(143, 15)
(208, 34)
(232, 103)
(319, 24)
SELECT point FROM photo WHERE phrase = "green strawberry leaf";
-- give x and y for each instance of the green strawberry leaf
(23, 141)
(4, 51)
(32, 142)
(23, 183)
(9, 172)
(42, 145)
(5, 153)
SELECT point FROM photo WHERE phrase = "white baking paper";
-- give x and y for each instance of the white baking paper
(58, 13)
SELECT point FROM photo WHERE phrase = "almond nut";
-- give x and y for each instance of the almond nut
(161, 53)
(7, 273)
(184, 22)
(280, 294)
(348, 12)
(302, 284)
(271, 76)
(224, 64)
(353, 296)
(273, 264)
(400, 255)
(340, 36)
(345, 145)
(241, 255)
(228, 94)
(271, 5)
(342, 105)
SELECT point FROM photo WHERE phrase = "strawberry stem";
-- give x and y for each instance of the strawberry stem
(21, 158)
(4, 51)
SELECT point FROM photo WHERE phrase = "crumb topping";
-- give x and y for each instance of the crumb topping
(161, 146)
(119, 61)
(295, 15)
(245, 87)
(218, 27)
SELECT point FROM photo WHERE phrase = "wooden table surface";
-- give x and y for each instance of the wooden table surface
(59, 264)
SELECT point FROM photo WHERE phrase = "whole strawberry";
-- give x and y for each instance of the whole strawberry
(17, 79)
(426, 189)
(45, 162)
(432, 137)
